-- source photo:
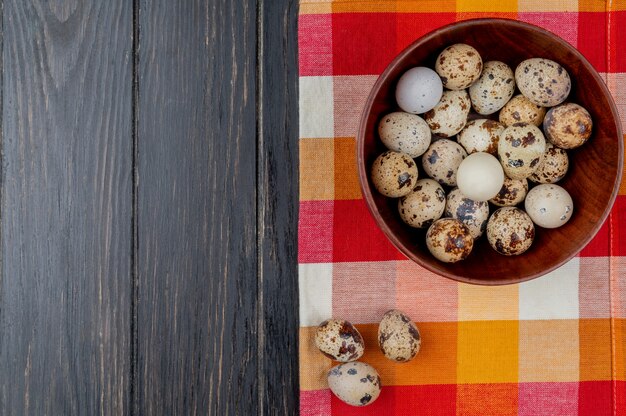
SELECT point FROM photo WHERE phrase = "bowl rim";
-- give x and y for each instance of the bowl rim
(363, 175)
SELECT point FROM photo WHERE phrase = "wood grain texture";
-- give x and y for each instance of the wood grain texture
(66, 208)
(196, 208)
(278, 213)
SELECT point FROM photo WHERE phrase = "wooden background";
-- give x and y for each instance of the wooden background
(148, 207)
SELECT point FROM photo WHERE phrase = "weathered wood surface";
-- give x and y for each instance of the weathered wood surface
(66, 208)
(148, 207)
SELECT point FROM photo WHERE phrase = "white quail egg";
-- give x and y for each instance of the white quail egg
(549, 206)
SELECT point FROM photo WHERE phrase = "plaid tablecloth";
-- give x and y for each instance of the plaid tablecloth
(552, 346)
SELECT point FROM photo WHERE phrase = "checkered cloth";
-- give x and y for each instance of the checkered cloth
(552, 346)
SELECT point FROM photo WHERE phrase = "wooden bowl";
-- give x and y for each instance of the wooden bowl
(595, 168)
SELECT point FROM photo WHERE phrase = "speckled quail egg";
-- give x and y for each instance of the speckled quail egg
(424, 205)
(513, 192)
(404, 132)
(568, 126)
(553, 165)
(418, 90)
(520, 148)
(449, 116)
(474, 214)
(543, 82)
(449, 240)
(521, 110)
(481, 135)
(394, 174)
(480, 176)
(549, 206)
(339, 340)
(493, 89)
(442, 160)
(398, 337)
(458, 66)
(356, 383)
(510, 231)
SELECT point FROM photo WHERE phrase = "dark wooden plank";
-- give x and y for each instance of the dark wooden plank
(278, 207)
(196, 208)
(66, 208)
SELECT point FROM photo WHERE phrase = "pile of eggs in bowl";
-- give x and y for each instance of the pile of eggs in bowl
(478, 164)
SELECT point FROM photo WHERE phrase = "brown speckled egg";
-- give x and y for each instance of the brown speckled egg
(404, 132)
(449, 240)
(493, 89)
(458, 66)
(568, 126)
(543, 82)
(398, 337)
(339, 340)
(450, 114)
(442, 159)
(553, 165)
(394, 174)
(424, 205)
(520, 148)
(481, 135)
(510, 231)
(549, 206)
(521, 110)
(356, 383)
(474, 214)
(512, 193)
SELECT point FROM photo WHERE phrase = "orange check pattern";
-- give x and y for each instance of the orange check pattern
(552, 346)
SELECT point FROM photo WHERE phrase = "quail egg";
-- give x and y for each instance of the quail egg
(480, 176)
(355, 383)
(458, 66)
(449, 240)
(568, 125)
(424, 205)
(543, 81)
(493, 89)
(481, 135)
(520, 148)
(394, 174)
(442, 159)
(553, 165)
(398, 337)
(418, 90)
(474, 214)
(404, 132)
(549, 206)
(449, 116)
(510, 231)
(339, 340)
(521, 110)
(513, 192)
